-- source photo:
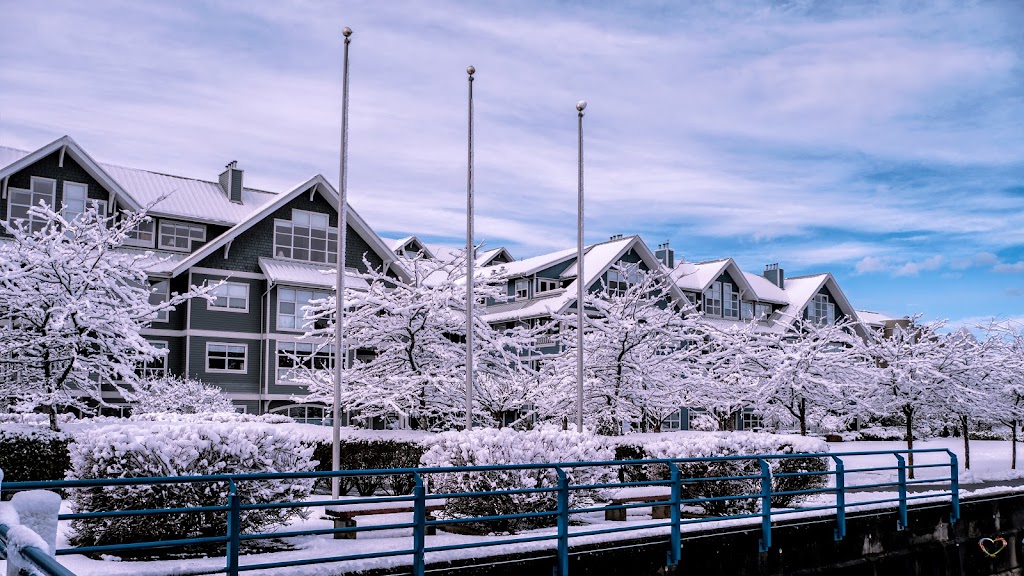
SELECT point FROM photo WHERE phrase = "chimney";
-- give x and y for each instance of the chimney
(666, 255)
(231, 182)
(776, 275)
(616, 237)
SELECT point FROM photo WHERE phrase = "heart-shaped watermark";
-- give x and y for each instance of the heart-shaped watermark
(992, 546)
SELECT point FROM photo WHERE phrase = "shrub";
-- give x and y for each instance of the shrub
(506, 446)
(738, 444)
(194, 448)
(30, 453)
(178, 395)
(373, 454)
(632, 473)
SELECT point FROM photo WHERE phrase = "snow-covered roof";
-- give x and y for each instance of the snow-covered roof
(873, 318)
(308, 275)
(157, 263)
(765, 289)
(484, 258)
(9, 156)
(531, 265)
(697, 276)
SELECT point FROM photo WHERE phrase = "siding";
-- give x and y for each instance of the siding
(205, 318)
(48, 168)
(243, 382)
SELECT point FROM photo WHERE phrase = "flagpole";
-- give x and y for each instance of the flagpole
(580, 106)
(470, 257)
(341, 354)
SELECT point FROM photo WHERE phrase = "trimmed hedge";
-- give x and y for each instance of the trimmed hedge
(372, 454)
(32, 453)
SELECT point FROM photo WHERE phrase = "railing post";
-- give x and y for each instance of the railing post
(766, 505)
(234, 528)
(675, 545)
(954, 487)
(419, 530)
(562, 569)
(840, 531)
(901, 524)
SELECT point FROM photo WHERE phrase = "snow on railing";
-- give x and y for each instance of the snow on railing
(28, 533)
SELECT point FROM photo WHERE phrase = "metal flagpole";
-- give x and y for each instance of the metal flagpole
(580, 106)
(341, 353)
(470, 257)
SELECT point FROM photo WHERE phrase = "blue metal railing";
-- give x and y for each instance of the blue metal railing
(421, 523)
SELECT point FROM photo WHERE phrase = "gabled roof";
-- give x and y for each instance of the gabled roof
(319, 184)
(67, 145)
(874, 319)
(697, 277)
(399, 245)
(597, 259)
(486, 257)
(765, 289)
(166, 195)
(801, 289)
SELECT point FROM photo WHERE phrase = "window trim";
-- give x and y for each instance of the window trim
(163, 344)
(64, 199)
(315, 347)
(163, 315)
(32, 179)
(129, 241)
(553, 281)
(525, 283)
(245, 358)
(329, 256)
(190, 225)
(298, 309)
(211, 305)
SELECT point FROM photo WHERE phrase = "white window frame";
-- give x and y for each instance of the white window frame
(521, 285)
(300, 358)
(227, 298)
(751, 420)
(762, 311)
(551, 285)
(161, 316)
(818, 309)
(673, 422)
(299, 316)
(287, 252)
(34, 222)
(226, 370)
(134, 236)
(190, 226)
(746, 310)
(147, 371)
(713, 299)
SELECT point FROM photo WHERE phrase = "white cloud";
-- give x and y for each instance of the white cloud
(1005, 267)
(915, 268)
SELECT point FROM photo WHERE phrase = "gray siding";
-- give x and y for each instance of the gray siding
(205, 318)
(242, 382)
(48, 168)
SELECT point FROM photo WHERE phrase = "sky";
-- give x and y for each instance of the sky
(880, 141)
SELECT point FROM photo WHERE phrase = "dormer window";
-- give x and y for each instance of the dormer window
(308, 236)
(730, 301)
(522, 288)
(76, 199)
(713, 299)
(178, 236)
(546, 285)
(821, 310)
(42, 190)
(621, 277)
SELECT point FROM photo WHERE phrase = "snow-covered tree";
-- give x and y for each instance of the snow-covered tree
(815, 369)
(1007, 341)
(726, 373)
(635, 350)
(73, 306)
(908, 380)
(178, 395)
(415, 331)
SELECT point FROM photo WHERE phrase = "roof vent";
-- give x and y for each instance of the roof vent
(231, 182)
(776, 275)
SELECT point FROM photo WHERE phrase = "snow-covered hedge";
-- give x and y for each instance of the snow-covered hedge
(29, 453)
(184, 449)
(738, 444)
(373, 454)
(507, 446)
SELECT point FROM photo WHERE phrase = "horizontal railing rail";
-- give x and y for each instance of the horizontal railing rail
(676, 494)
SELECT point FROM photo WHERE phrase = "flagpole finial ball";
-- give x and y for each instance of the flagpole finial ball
(470, 70)
(581, 105)
(346, 31)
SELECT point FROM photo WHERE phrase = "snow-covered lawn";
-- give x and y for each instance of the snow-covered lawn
(990, 462)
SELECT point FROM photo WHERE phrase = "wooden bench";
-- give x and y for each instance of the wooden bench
(658, 511)
(344, 515)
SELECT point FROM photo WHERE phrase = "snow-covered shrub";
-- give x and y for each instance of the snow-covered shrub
(507, 446)
(704, 423)
(738, 444)
(177, 395)
(184, 449)
(29, 453)
(373, 454)
(222, 417)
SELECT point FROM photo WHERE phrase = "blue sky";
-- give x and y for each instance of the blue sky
(880, 141)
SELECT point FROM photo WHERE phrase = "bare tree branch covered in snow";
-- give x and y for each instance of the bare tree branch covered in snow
(73, 305)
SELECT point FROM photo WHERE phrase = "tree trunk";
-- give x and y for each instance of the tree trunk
(1013, 444)
(967, 443)
(52, 410)
(909, 414)
(803, 417)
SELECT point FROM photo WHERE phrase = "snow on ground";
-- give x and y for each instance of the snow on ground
(989, 459)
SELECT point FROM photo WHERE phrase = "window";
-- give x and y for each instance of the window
(746, 310)
(308, 236)
(160, 292)
(289, 306)
(673, 422)
(762, 311)
(546, 285)
(697, 419)
(143, 235)
(43, 190)
(621, 277)
(730, 301)
(231, 296)
(292, 357)
(76, 199)
(179, 235)
(225, 357)
(522, 288)
(307, 414)
(752, 420)
(820, 310)
(713, 299)
(155, 368)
